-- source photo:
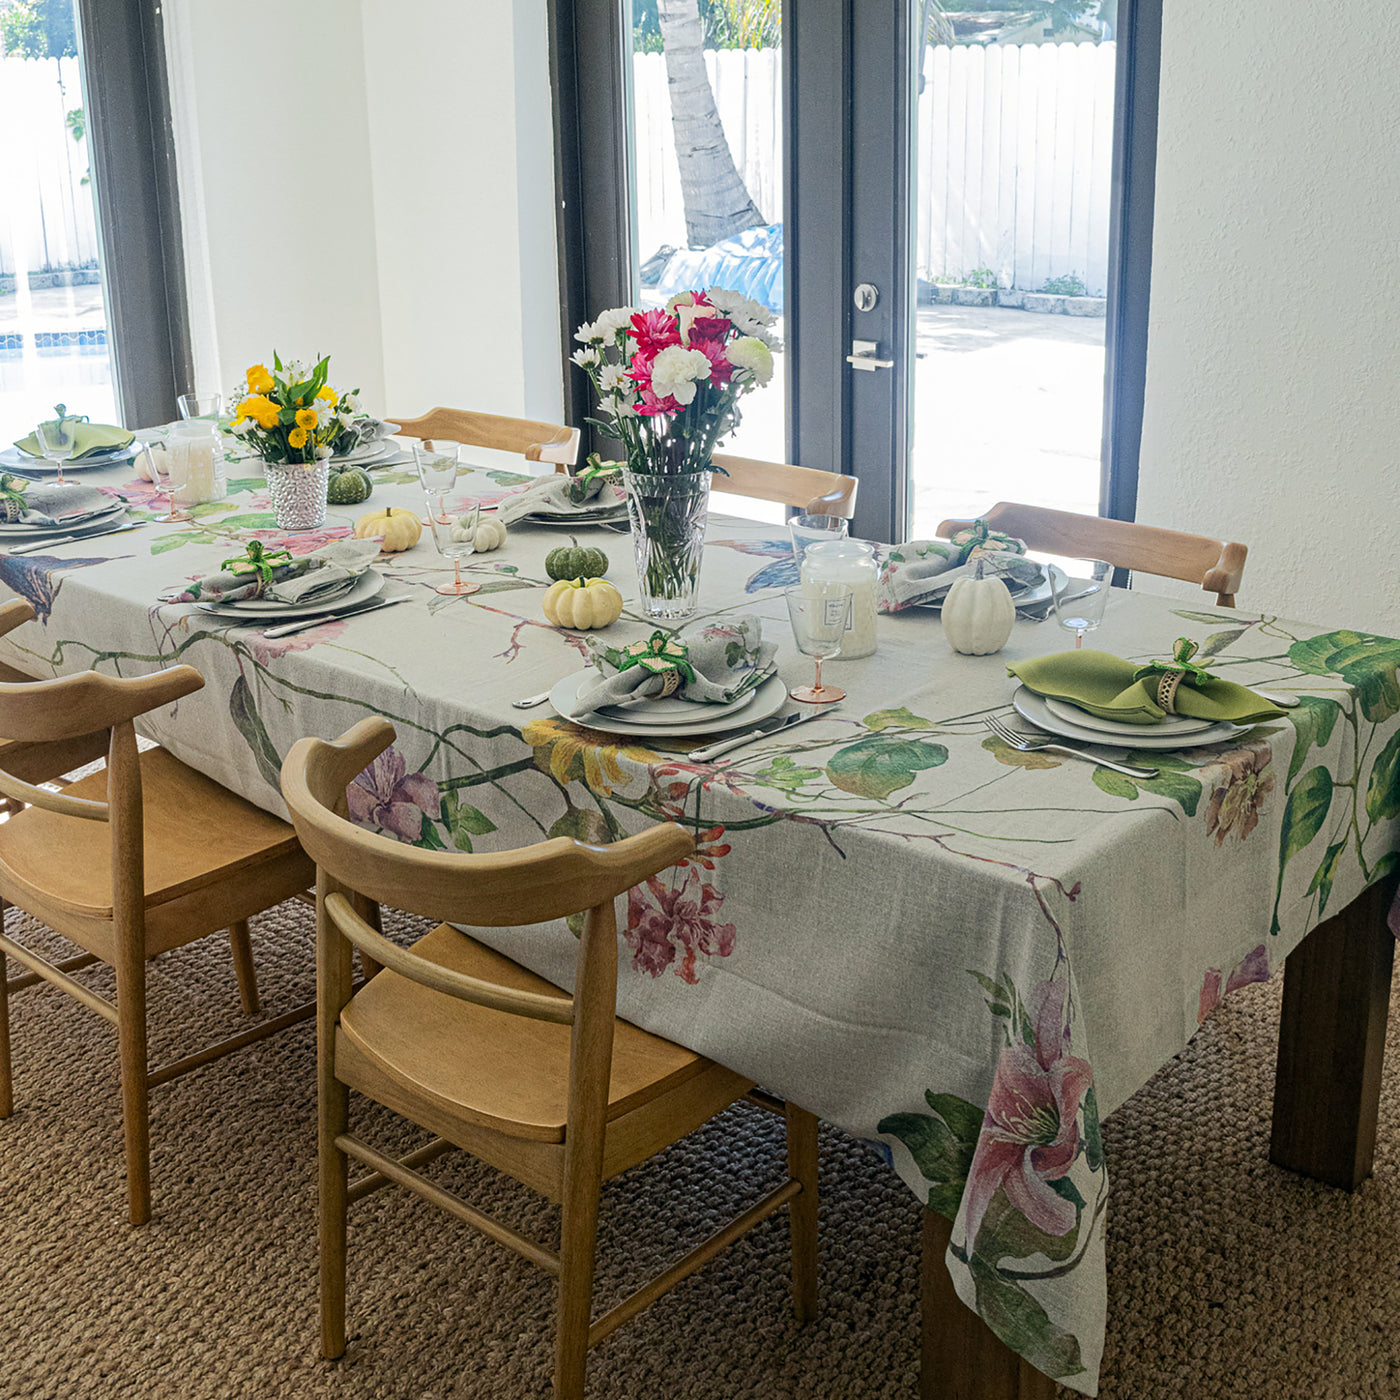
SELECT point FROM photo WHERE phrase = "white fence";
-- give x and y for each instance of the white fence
(46, 212)
(1013, 164)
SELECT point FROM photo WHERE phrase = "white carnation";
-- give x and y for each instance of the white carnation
(751, 354)
(675, 372)
(680, 299)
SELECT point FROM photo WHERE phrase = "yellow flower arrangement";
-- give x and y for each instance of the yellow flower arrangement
(330, 395)
(297, 438)
(259, 380)
(290, 414)
(306, 418)
(260, 409)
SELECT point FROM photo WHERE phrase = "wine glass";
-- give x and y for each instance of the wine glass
(454, 535)
(173, 514)
(819, 612)
(58, 440)
(200, 405)
(808, 530)
(1081, 596)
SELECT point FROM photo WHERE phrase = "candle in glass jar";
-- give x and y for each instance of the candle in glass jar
(196, 468)
(852, 562)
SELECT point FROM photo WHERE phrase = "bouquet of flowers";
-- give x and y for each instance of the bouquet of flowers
(669, 380)
(291, 415)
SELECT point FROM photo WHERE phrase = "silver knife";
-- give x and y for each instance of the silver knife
(288, 628)
(769, 726)
(75, 539)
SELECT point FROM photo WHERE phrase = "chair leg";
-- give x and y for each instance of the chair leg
(368, 910)
(243, 966)
(136, 1108)
(579, 1238)
(7, 1093)
(334, 1173)
(802, 1210)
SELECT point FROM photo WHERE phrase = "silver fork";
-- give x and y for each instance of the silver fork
(1029, 743)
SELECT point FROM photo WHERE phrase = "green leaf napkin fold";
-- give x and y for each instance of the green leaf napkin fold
(556, 495)
(721, 661)
(88, 439)
(300, 580)
(1104, 685)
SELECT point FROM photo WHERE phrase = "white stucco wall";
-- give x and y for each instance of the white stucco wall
(1273, 413)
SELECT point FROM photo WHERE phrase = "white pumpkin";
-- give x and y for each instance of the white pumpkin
(487, 535)
(162, 462)
(978, 615)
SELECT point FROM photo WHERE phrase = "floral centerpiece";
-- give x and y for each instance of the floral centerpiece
(669, 382)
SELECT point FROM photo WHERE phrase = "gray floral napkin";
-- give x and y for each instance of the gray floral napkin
(558, 494)
(23, 503)
(922, 571)
(300, 580)
(712, 663)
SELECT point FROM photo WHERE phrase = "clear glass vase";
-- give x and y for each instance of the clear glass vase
(668, 515)
(298, 493)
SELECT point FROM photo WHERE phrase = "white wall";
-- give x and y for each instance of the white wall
(1273, 410)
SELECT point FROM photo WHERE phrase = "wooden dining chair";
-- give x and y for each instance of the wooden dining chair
(1217, 565)
(180, 858)
(806, 488)
(553, 1089)
(537, 442)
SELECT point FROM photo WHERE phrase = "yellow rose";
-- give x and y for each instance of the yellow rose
(306, 418)
(297, 438)
(260, 409)
(328, 394)
(259, 380)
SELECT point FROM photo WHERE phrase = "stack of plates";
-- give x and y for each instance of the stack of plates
(107, 457)
(368, 453)
(85, 523)
(355, 591)
(1070, 722)
(1025, 595)
(603, 511)
(662, 719)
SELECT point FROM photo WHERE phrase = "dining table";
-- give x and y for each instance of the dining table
(964, 954)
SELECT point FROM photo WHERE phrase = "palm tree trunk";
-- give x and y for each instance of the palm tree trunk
(717, 204)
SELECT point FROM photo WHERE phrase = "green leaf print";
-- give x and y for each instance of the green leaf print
(942, 1146)
(245, 716)
(1202, 616)
(785, 775)
(1326, 873)
(1218, 641)
(1181, 788)
(1015, 1316)
(502, 478)
(251, 520)
(1366, 662)
(1383, 791)
(168, 542)
(1007, 1234)
(464, 821)
(237, 485)
(1302, 820)
(1017, 758)
(882, 764)
(902, 717)
(1386, 866)
(1314, 720)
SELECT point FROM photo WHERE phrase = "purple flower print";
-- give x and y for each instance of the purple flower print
(1254, 968)
(1243, 780)
(1030, 1133)
(383, 797)
(662, 922)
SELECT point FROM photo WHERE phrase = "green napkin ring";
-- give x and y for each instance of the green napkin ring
(595, 469)
(260, 561)
(980, 538)
(662, 655)
(1170, 674)
(13, 502)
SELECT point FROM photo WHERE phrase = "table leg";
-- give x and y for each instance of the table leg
(962, 1358)
(1336, 999)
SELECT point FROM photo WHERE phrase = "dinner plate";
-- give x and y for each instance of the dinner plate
(1032, 707)
(1172, 724)
(262, 609)
(108, 457)
(768, 700)
(368, 452)
(615, 517)
(672, 711)
(1027, 597)
(98, 521)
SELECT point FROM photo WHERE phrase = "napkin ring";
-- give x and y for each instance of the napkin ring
(12, 509)
(1167, 685)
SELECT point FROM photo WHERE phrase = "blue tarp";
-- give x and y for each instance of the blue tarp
(750, 262)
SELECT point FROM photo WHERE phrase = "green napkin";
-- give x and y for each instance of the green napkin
(88, 438)
(1103, 684)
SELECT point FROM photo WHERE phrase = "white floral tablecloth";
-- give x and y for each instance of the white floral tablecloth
(964, 954)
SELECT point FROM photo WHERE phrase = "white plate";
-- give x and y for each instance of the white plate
(768, 700)
(108, 457)
(1032, 707)
(259, 609)
(370, 451)
(101, 520)
(579, 521)
(672, 711)
(1173, 724)
(1027, 597)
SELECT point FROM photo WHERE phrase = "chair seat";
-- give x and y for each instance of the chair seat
(197, 834)
(492, 1068)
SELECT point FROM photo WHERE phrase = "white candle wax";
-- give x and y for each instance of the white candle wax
(852, 562)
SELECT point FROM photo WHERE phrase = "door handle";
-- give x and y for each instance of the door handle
(863, 355)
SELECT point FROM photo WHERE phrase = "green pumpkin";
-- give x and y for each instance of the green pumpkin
(348, 486)
(573, 560)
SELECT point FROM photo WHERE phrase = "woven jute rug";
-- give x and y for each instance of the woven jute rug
(1228, 1277)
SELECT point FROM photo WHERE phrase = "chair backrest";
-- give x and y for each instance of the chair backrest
(539, 442)
(815, 492)
(525, 886)
(1217, 565)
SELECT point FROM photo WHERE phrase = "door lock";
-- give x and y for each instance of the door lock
(863, 355)
(866, 296)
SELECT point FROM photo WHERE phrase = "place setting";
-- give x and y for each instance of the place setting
(68, 443)
(264, 585)
(590, 496)
(35, 516)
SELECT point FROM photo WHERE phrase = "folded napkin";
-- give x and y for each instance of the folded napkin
(1112, 688)
(922, 571)
(25, 503)
(276, 576)
(87, 439)
(710, 662)
(560, 495)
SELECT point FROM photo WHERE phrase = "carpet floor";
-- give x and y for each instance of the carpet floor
(1228, 1277)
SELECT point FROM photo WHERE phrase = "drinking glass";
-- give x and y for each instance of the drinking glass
(58, 441)
(200, 405)
(454, 535)
(1081, 595)
(818, 612)
(172, 513)
(814, 529)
